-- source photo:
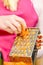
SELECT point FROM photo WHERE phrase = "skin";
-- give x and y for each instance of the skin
(11, 4)
(12, 24)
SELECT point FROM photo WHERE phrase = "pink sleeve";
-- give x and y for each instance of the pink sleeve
(29, 13)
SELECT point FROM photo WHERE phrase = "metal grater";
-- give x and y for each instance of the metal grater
(24, 47)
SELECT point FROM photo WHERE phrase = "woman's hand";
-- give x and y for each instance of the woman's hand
(12, 24)
(11, 4)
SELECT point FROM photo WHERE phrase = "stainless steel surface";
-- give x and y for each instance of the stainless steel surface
(23, 47)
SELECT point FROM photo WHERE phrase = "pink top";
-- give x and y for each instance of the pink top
(26, 11)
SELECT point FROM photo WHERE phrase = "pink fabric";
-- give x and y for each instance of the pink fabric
(26, 11)
(6, 43)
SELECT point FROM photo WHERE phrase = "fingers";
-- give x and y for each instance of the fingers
(5, 28)
(18, 22)
(15, 24)
(21, 21)
(12, 24)
(10, 28)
